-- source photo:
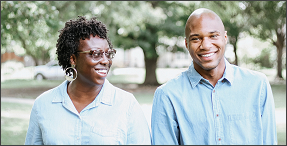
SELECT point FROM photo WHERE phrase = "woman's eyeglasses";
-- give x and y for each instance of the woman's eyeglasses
(98, 54)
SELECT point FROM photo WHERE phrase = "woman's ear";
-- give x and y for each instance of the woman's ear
(73, 59)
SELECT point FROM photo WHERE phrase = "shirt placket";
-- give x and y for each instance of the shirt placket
(217, 117)
(78, 131)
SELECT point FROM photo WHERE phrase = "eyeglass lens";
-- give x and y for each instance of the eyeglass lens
(97, 55)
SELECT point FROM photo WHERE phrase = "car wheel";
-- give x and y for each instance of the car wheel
(39, 77)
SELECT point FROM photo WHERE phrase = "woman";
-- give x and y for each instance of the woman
(86, 108)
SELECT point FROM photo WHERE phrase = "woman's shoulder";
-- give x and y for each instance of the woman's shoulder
(121, 95)
(51, 93)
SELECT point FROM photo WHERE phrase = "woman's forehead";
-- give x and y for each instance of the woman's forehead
(94, 43)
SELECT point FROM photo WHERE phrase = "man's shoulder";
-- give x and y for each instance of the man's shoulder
(249, 72)
(245, 73)
(175, 83)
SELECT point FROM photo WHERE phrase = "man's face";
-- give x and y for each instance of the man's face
(206, 42)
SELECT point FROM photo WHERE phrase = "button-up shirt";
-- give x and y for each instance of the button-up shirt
(114, 117)
(239, 109)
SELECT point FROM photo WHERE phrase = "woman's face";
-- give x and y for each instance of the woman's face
(92, 70)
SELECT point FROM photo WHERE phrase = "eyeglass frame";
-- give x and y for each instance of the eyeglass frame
(91, 52)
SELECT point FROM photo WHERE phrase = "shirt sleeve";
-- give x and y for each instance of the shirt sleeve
(138, 128)
(163, 121)
(268, 115)
(34, 136)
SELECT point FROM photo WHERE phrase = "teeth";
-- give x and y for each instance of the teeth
(207, 55)
(102, 71)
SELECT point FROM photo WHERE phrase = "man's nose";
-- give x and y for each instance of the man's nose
(205, 43)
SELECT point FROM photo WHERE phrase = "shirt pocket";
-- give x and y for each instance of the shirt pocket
(243, 128)
(104, 136)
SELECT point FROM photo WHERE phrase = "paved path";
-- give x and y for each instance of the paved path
(17, 100)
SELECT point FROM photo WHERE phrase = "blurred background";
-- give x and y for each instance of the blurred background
(149, 39)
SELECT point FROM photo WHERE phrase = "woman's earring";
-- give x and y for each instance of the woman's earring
(71, 73)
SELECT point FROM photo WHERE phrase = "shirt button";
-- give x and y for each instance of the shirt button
(217, 115)
(222, 81)
(219, 139)
(78, 138)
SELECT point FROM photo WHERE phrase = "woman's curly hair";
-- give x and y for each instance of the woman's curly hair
(70, 35)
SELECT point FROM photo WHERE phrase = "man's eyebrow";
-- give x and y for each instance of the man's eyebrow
(193, 35)
(214, 32)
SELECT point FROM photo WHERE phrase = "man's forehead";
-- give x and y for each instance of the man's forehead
(204, 18)
(202, 11)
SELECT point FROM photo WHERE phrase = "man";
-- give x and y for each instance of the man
(213, 102)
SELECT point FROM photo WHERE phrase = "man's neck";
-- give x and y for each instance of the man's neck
(212, 75)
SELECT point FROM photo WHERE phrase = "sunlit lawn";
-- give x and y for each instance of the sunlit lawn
(14, 122)
(14, 116)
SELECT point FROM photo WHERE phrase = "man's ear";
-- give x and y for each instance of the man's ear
(186, 45)
(225, 36)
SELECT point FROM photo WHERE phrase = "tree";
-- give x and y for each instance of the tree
(144, 23)
(268, 21)
(130, 24)
(29, 23)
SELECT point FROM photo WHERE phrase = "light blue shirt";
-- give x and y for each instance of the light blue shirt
(114, 117)
(238, 110)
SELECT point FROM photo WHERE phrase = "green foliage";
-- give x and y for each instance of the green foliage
(29, 23)
(266, 17)
(147, 24)
(264, 59)
(268, 22)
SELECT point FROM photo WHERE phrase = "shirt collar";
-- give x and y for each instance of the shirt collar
(106, 95)
(195, 77)
(229, 72)
(63, 92)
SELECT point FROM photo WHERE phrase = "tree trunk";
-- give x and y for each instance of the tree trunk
(235, 54)
(150, 67)
(236, 57)
(279, 62)
(279, 45)
(22, 40)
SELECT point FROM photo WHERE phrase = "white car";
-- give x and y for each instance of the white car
(51, 70)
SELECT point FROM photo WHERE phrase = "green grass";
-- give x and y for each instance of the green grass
(281, 134)
(13, 131)
(29, 83)
(124, 79)
(13, 127)
(144, 98)
(16, 107)
(279, 94)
